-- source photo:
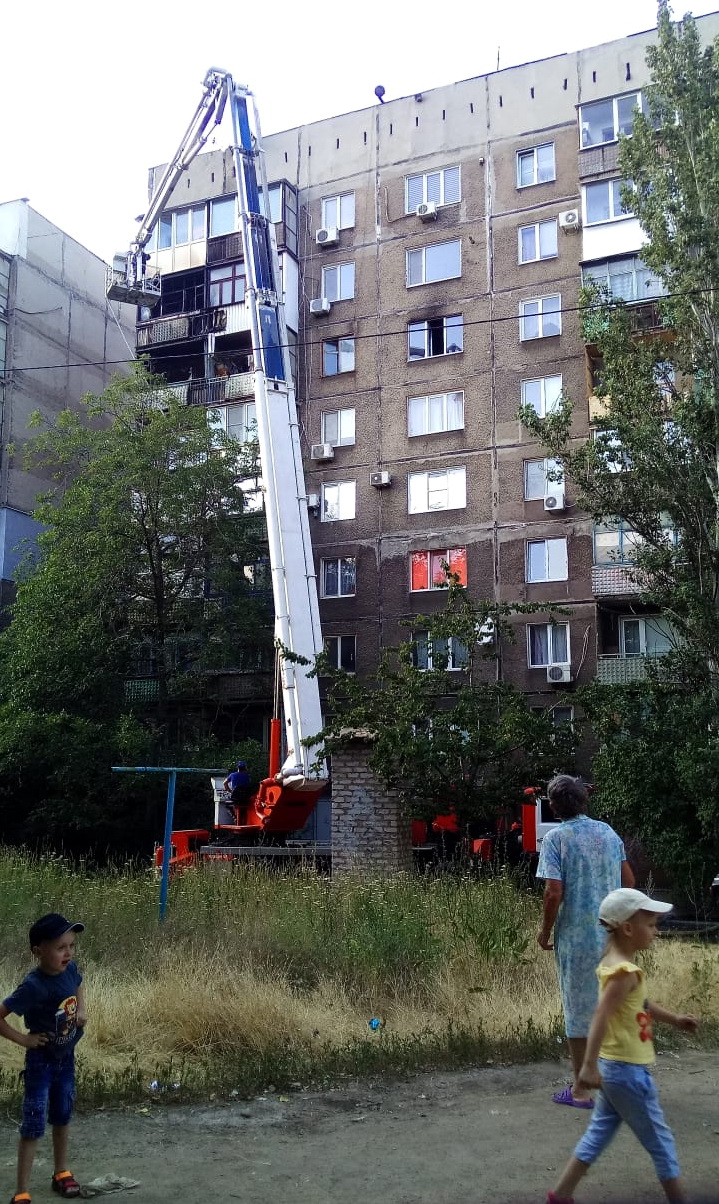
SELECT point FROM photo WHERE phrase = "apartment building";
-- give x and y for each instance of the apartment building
(433, 250)
(59, 338)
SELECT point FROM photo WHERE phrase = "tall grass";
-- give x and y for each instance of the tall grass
(262, 977)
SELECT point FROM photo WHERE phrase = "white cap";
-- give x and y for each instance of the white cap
(622, 904)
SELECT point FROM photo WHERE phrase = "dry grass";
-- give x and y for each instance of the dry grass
(261, 977)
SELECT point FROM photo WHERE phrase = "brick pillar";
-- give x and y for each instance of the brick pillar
(369, 832)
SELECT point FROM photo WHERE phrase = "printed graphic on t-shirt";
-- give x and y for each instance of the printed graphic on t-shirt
(66, 1021)
(644, 1020)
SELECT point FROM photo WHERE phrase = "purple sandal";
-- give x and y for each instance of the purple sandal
(565, 1097)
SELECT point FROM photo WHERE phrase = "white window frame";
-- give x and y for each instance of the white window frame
(341, 270)
(239, 421)
(614, 202)
(628, 541)
(218, 201)
(635, 267)
(434, 187)
(562, 707)
(422, 251)
(451, 324)
(537, 227)
(345, 426)
(457, 652)
(643, 621)
(615, 117)
(346, 499)
(337, 661)
(345, 212)
(540, 316)
(551, 650)
(338, 561)
(448, 481)
(548, 466)
(543, 382)
(428, 406)
(533, 151)
(341, 352)
(555, 559)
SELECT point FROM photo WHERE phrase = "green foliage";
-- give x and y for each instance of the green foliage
(140, 572)
(448, 740)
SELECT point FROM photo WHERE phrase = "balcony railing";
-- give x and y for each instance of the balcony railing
(223, 247)
(610, 580)
(182, 326)
(219, 389)
(615, 670)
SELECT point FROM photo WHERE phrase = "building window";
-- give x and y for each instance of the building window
(650, 636)
(338, 282)
(428, 570)
(628, 279)
(227, 284)
(443, 187)
(339, 577)
(562, 715)
(615, 543)
(614, 457)
(338, 212)
(238, 421)
(436, 336)
(547, 644)
(547, 560)
(435, 653)
(540, 319)
(536, 165)
(538, 476)
(253, 494)
(538, 241)
(441, 261)
(604, 120)
(434, 414)
(603, 202)
(437, 490)
(223, 216)
(543, 394)
(338, 501)
(338, 355)
(341, 652)
(338, 427)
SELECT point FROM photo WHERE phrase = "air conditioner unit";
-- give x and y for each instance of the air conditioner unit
(559, 674)
(427, 211)
(380, 480)
(322, 451)
(486, 632)
(313, 501)
(320, 305)
(328, 237)
(554, 497)
(570, 220)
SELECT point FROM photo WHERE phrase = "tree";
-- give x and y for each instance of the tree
(149, 565)
(653, 465)
(449, 741)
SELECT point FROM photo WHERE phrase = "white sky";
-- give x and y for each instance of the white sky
(94, 92)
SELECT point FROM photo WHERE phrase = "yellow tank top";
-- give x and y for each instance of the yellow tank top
(629, 1036)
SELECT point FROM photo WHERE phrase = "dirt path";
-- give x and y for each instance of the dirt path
(490, 1134)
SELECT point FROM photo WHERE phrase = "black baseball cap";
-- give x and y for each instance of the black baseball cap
(50, 927)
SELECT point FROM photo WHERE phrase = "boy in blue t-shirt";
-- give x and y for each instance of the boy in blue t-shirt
(51, 1001)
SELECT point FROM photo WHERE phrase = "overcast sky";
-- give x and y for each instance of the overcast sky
(94, 93)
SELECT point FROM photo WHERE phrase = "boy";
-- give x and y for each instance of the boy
(620, 1049)
(51, 1000)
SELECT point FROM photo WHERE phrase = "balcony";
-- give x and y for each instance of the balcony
(224, 247)
(616, 670)
(614, 580)
(182, 326)
(220, 389)
(160, 398)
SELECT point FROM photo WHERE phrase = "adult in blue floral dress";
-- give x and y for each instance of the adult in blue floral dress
(581, 861)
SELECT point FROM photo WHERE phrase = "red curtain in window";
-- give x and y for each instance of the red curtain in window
(458, 563)
(418, 570)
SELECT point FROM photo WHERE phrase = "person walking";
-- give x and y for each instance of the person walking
(620, 1049)
(580, 861)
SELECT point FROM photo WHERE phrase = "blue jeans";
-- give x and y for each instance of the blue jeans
(49, 1091)
(629, 1094)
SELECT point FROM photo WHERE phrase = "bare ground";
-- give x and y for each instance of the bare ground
(489, 1134)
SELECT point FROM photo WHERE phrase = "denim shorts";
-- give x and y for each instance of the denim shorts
(629, 1094)
(49, 1091)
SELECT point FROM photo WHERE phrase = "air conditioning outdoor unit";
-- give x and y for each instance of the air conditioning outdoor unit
(380, 480)
(570, 220)
(486, 632)
(559, 674)
(320, 305)
(427, 211)
(322, 451)
(554, 497)
(328, 237)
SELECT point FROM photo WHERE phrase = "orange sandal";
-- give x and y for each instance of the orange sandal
(21, 1197)
(65, 1185)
